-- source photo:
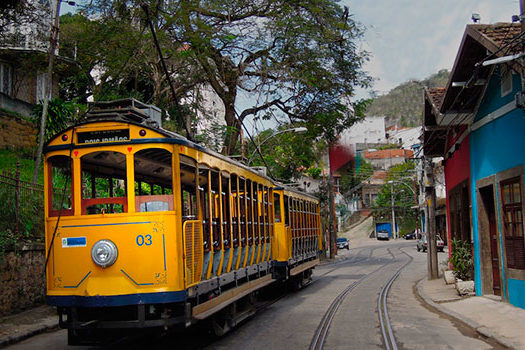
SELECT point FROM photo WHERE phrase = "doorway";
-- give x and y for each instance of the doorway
(489, 233)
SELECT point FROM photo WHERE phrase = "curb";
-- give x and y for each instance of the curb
(482, 330)
(42, 327)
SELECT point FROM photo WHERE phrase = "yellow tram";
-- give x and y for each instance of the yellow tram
(145, 229)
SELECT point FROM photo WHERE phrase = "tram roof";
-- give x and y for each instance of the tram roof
(171, 137)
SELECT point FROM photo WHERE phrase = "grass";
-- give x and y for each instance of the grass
(8, 159)
(30, 216)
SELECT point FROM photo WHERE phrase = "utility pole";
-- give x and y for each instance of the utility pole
(330, 240)
(430, 196)
(416, 201)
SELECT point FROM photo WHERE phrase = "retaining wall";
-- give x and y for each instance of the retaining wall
(16, 133)
(21, 279)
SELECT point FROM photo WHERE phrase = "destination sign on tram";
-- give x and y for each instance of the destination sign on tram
(101, 136)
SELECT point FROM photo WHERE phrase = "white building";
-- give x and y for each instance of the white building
(370, 130)
(406, 137)
(209, 111)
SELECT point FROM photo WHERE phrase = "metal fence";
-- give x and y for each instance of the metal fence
(21, 206)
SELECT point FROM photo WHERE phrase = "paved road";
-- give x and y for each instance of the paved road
(290, 322)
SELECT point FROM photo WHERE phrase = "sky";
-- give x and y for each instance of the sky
(410, 39)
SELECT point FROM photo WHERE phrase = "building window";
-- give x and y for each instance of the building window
(459, 212)
(6, 78)
(506, 81)
(513, 223)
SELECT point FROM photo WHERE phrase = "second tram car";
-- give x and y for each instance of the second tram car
(145, 229)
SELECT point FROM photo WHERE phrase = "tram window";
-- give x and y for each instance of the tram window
(267, 214)
(242, 207)
(204, 194)
(286, 212)
(103, 183)
(60, 177)
(235, 210)
(256, 199)
(188, 188)
(216, 215)
(153, 180)
(249, 211)
(226, 220)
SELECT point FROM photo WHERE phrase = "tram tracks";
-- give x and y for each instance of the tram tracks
(321, 333)
(319, 338)
(382, 308)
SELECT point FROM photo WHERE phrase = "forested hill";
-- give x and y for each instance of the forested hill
(403, 105)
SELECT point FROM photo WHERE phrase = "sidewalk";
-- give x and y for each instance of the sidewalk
(18, 327)
(487, 315)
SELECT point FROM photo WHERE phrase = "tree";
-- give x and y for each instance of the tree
(295, 60)
(288, 155)
(116, 47)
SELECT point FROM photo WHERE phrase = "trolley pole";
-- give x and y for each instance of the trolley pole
(394, 231)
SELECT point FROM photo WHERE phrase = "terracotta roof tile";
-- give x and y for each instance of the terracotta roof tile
(389, 153)
(500, 33)
(379, 174)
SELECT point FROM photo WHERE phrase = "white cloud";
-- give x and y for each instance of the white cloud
(414, 39)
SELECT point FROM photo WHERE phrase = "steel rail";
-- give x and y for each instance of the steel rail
(321, 333)
(319, 277)
(382, 307)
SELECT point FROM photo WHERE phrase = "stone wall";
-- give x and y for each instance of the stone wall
(16, 133)
(21, 279)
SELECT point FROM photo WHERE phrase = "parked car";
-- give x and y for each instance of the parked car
(422, 243)
(343, 243)
(382, 234)
(411, 235)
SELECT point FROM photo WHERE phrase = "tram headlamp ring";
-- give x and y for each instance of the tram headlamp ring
(104, 253)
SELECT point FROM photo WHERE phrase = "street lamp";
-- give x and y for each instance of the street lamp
(299, 130)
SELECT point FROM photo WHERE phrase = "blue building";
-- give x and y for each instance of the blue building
(484, 100)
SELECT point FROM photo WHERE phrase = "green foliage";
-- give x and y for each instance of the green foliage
(314, 172)
(60, 115)
(112, 41)
(287, 155)
(403, 105)
(401, 190)
(9, 158)
(461, 259)
(351, 178)
(30, 219)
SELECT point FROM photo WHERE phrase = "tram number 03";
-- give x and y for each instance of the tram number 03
(143, 240)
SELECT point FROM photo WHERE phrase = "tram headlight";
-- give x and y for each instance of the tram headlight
(104, 253)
